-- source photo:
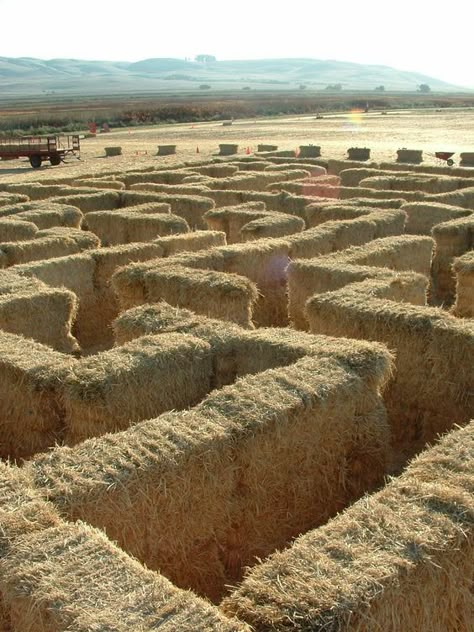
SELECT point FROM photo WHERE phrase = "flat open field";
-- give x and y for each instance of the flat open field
(428, 130)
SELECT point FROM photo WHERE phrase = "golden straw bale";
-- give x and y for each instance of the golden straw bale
(98, 183)
(320, 212)
(31, 308)
(14, 229)
(216, 170)
(39, 191)
(189, 207)
(431, 346)
(7, 199)
(174, 176)
(180, 189)
(230, 219)
(462, 197)
(312, 170)
(88, 202)
(422, 216)
(32, 413)
(197, 240)
(399, 560)
(276, 225)
(116, 388)
(464, 269)
(452, 239)
(45, 214)
(413, 182)
(71, 577)
(226, 447)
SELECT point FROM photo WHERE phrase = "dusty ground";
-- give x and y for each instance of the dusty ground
(428, 130)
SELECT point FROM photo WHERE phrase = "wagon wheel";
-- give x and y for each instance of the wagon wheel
(35, 161)
(55, 160)
(450, 162)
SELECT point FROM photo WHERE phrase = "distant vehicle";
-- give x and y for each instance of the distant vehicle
(40, 148)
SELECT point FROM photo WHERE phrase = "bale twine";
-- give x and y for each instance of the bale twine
(228, 149)
(113, 151)
(358, 153)
(166, 150)
(267, 147)
(310, 151)
(414, 156)
(467, 159)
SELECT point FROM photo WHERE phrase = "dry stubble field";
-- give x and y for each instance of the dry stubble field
(237, 394)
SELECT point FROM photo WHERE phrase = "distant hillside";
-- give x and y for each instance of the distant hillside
(28, 76)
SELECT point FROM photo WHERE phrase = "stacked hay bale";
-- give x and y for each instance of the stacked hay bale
(423, 216)
(226, 447)
(31, 308)
(464, 269)
(44, 214)
(16, 230)
(452, 240)
(7, 199)
(307, 277)
(399, 560)
(431, 346)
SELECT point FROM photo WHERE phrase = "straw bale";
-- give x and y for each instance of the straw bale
(431, 346)
(140, 380)
(13, 229)
(180, 189)
(399, 560)
(464, 269)
(263, 262)
(189, 207)
(452, 239)
(32, 413)
(412, 182)
(45, 214)
(224, 296)
(216, 170)
(204, 469)
(99, 183)
(174, 176)
(231, 219)
(197, 240)
(89, 202)
(462, 197)
(124, 226)
(318, 213)
(422, 216)
(334, 167)
(39, 191)
(7, 199)
(312, 170)
(252, 165)
(275, 225)
(31, 308)
(71, 577)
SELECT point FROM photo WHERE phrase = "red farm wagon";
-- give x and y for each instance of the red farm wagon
(39, 149)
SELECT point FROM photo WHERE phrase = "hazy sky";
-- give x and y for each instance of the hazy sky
(430, 36)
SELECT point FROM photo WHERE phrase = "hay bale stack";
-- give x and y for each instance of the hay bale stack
(173, 176)
(335, 167)
(462, 197)
(89, 202)
(231, 219)
(311, 187)
(100, 183)
(113, 151)
(52, 215)
(274, 225)
(431, 346)
(358, 153)
(179, 189)
(414, 156)
(309, 151)
(7, 199)
(166, 150)
(452, 240)
(216, 170)
(352, 177)
(263, 147)
(467, 159)
(31, 410)
(399, 560)
(204, 468)
(191, 242)
(189, 207)
(413, 182)
(464, 269)
(314, 171)
(13, 229)
(225, 296)
(124, 226)
(423, 216)
(307, 277)
(247, 181)
(31, 308)
(321, 212)
(227, 149)
(140, 380)
(71, 577)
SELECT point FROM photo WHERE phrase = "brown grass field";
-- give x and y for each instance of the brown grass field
(237, 393)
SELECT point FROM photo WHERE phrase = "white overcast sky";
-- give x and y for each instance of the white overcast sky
(429, 36)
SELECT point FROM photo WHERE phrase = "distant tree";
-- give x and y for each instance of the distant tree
(205, 59)
(424, 87)
(380, 89)
(334, 87)
(204, 86)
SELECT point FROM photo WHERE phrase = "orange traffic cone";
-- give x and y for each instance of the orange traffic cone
(248, 151)
(197, 150)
